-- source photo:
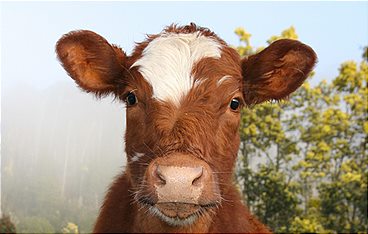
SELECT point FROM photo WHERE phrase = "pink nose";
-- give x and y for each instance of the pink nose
(178, 176)
(179, 184)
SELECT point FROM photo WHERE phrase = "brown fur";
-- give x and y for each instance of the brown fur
(203, 126)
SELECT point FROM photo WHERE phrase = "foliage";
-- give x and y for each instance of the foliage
(70, 228)
(6, 225)
(306, 225)
(302, 164)
(35, 224)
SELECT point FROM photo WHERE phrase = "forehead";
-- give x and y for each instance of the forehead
(168, 60)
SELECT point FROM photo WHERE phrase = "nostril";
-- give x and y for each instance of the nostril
(198, 177)
(160, 176)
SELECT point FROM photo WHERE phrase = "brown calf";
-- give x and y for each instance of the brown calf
(184, 89)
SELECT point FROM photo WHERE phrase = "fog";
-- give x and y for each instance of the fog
(60, 150)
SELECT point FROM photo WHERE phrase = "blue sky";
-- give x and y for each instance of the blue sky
(29, 30)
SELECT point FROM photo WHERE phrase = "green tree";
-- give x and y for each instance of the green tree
(302, 164)
(344, 194)
(332, 167)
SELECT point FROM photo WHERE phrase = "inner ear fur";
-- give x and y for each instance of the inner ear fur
(276, 71)
(91, 61)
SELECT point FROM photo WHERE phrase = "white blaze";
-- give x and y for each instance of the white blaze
(168, 60)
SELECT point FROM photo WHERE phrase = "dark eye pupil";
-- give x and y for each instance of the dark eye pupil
(234, 104)
(131, 99)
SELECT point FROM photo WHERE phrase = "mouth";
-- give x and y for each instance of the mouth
(178, 213)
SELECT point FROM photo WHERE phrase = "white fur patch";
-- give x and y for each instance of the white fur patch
(168, 60)
(137, 156)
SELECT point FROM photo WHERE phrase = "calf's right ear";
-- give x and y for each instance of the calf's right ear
(277, 71)
(94, 64)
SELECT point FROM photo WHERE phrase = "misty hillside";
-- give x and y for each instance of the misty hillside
(60, 150)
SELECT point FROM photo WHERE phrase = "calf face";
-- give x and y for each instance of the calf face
(184, 89)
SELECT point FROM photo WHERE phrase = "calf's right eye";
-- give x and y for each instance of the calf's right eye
(235, 104)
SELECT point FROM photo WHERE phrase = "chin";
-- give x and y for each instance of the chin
(174, 221)
(179, 214)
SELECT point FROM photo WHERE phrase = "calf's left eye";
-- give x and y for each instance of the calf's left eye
(131, 99)
(235, 104)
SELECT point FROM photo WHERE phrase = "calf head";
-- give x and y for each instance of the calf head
(184, 89)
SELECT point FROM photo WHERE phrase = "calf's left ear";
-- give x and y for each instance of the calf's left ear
(276, 71)
(94, 64)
